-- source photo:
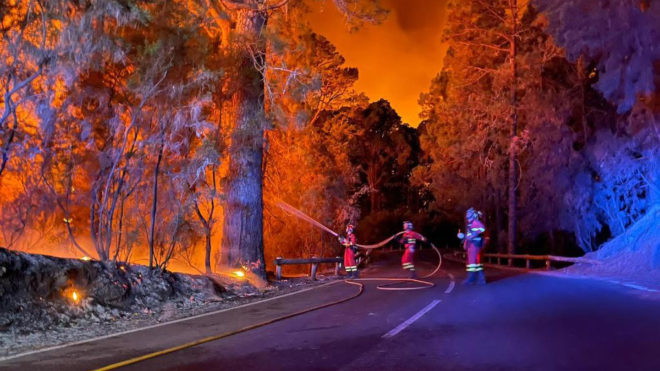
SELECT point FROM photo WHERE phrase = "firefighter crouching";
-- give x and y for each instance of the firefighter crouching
(473, 242)
(349, 252)
(409, 240)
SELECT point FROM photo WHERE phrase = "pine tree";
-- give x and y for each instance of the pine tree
(244, 26)
(620, 36)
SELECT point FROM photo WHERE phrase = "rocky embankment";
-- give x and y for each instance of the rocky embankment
(47, 301)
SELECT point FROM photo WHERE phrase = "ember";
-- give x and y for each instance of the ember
(75, 296)
(239, 274)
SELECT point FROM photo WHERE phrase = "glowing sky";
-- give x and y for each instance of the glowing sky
(396, 59)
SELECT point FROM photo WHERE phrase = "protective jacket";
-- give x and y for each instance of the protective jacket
(473, 243)
(349, 252)
(409, 240)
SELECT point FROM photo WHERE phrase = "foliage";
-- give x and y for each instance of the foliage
(111, 98)
(384, 151)
(309, 168)
(617, 182)
(621, 36)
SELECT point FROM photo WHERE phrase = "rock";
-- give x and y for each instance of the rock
(34, 292)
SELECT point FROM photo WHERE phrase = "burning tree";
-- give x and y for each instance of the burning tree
(111, 102)
(243, 29)
(310, 96)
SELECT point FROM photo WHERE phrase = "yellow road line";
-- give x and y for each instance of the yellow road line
(230, 333)
(122, 333)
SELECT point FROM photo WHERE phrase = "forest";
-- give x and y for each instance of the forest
(164, 133)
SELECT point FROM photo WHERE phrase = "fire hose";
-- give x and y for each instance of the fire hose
(388, 286)
(290, 209)
(301, 215)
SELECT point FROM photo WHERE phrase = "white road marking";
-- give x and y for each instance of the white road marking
(639, 287)
(596, 278)
(452, 284)
(6, 358)
(411, 320)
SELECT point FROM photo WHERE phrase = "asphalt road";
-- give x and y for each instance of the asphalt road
(516, 322)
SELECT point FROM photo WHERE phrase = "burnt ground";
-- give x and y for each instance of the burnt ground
(38, 308)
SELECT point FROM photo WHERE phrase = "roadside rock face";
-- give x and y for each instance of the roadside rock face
(41, 292)
(47, 301)
(632, 256)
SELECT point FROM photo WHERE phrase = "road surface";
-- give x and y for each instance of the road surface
(516, 322)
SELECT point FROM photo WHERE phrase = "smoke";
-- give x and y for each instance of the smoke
(396, 59)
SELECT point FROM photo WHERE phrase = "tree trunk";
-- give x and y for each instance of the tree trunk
(513, 173)
(207, 258)
(499, 224)
(119, 229)
(7, 146)
(154, 204)
(374, 192)
(242, 237)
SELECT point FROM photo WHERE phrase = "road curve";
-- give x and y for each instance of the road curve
(521, 322)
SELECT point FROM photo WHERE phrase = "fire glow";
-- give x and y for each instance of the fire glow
(75, 296)
(239, 274)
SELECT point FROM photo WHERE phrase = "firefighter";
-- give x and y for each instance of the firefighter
(473, 243)
(409, 240)
(349, 252)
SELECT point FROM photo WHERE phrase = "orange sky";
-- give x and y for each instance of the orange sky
(396, 59)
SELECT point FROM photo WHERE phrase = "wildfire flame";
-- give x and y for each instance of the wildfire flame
(239, 274)
(75, 296)
(86, 258)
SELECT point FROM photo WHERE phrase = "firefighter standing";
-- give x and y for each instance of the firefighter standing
(349, 252)
(409, 239)
(473, 242)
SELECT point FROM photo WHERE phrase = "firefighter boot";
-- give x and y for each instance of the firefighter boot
(356, 274)
(413, 274)
(481, 279)
(471, 278)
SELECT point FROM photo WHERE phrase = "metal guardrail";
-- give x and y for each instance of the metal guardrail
(314, 261)
(496, 259)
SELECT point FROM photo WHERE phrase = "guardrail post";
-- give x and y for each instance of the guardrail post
(315, 267)
(337, 267)
(278, 268)
(547, 265)
(510, 262)
(527, 263)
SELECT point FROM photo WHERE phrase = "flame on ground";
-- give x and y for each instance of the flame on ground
(73, 295)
